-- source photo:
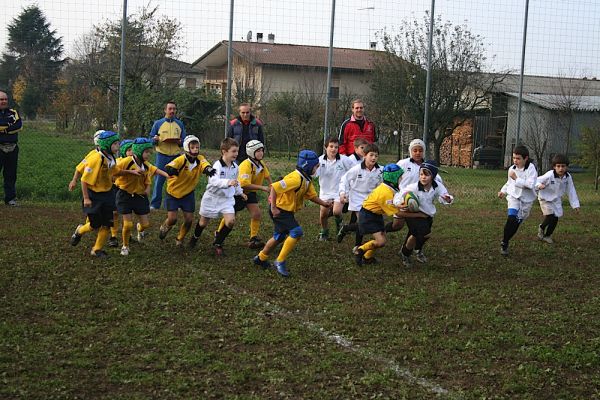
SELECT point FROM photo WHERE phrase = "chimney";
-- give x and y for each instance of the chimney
(373, 45)
(259, 37)
(271, 38)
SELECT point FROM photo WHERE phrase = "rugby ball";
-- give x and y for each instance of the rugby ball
(410, 202)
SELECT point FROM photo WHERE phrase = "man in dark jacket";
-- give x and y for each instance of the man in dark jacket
(357, 126)
(10, 124)
(244, 128)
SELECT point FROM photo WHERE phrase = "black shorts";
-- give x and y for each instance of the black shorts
(284, 222)
(100, 213)
(369, 222)
(252, 198)
(136, 203)
(419, 227)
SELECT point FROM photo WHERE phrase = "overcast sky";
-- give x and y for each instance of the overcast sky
(563, 36)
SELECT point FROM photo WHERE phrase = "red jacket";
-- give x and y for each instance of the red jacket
(350, 131)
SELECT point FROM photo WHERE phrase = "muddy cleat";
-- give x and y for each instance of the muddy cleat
(12, 203)
(162, 232)
(124, 251)
(358, 255)
(178, 243)
(323, 237)
(140, 233)
(540, 233)
(548, 239)
(263, 264)
(99, 254)
(504, 249)
(255, 243)
(113, 242)
(76, 237)
(281, 268)
(193, 241)
(421, 257)
(341, 233)
(406, 260)
(218, 250)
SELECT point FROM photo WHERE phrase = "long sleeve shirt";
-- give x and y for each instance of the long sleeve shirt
(10, 125)
(555, 187)
(218, 184)
(522, 188)
(426, 197)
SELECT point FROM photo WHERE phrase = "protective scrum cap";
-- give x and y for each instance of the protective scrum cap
(186, 142)
(391, 174)
(307, 159)
(125, 145)
(106, 139)
(431, 166)
(97, 135)
(140, 145)
(416, 143)
(253, 146)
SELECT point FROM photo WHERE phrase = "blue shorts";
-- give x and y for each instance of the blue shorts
(284, 222)
(187, 203)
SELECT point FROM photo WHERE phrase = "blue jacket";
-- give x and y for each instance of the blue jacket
(255, 132)
(10, 124)
(170, 132)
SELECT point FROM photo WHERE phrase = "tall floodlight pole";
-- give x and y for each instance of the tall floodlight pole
(329, 69)
(122, 69)
(229, 67)
(428, 81)
(522, 72)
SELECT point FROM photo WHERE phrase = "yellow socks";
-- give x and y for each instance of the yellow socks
(369, 249)
(263, 256)
(183, 230)
(254, 227)
(83, 229)
(127, 228)
(101, 239)
(221, 224)
(287, 248)
(114, 229)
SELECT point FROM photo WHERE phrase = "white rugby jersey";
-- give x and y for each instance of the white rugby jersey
(411, 172)
(218, 183)
(522, 188)
(556, 187)
(426, 198)
(330, 173)
(358, 182)
(354, 159)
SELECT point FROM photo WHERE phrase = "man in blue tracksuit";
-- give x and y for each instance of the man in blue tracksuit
(168, 134)
(10, 124)
(244, 128)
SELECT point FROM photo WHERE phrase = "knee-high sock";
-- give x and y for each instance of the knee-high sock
(254, 227)
(549, 224)
(221, 224)
(183, 230)
(358, 238)
(352, 226)
(198, 230)
(263, 256)
(101, 239)
(368, 248)
(287, 248)
(141, 227)
(222, 234)
(127, 228)
(114, 229)
(510, 228)
(86, 228)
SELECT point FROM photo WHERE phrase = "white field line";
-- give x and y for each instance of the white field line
(344, 342)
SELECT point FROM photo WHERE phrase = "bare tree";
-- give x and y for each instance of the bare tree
(537, 137)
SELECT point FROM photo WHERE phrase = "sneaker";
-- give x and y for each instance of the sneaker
(341, 233)
(504, 249)
(162, 232)
(178, 243)
(255, 243)
(421, 257)
(76, 237)
(263, 264)
(358, 255)
(406, 260)
(99, 254)
(548, 239)
(281, 268)
(124, 251)
(113, 242)
(540, 234)
(323, 237)
(218, 250)
(13, 203)
(140, 233)
(193, 241)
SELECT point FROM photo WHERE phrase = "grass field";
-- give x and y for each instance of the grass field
(173, 323)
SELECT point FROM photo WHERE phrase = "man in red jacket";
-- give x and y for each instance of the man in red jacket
(355, 127)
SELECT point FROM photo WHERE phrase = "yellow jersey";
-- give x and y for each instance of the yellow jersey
(134, 184)
(250, 173)
(292, 190)
(381, 200)
(97, 172)
(81, 166)
(185, 182)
